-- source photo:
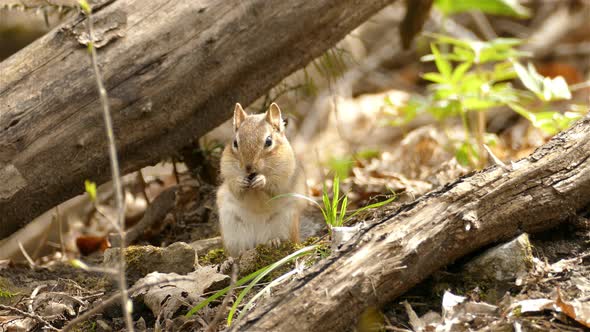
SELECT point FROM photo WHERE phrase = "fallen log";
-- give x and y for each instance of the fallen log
(394, 254)
(173, 70)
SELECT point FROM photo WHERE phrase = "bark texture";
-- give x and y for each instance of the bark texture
(394, 254)
(173, 70)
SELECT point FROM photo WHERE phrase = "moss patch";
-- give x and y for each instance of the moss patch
(266, 255)
(213, 257)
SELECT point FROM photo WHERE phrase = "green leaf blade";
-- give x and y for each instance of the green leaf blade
(442, 64)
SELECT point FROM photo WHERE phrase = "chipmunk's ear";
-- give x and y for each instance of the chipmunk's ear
(273, 116)
(239, 116)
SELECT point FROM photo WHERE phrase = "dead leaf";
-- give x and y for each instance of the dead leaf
(166, 293)
(578, 311)
(449, 302)
(88, 244)
(553, 69)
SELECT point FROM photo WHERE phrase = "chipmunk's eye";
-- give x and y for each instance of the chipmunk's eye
(268, 142)
(235, 143)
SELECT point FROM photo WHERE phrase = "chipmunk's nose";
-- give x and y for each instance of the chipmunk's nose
(249, 168)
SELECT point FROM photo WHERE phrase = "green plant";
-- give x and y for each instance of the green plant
(474, 76)
(90, 188)
(334, 210)
(546, 90)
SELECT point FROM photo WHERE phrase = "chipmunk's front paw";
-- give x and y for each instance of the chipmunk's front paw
(258, 182)
(244, 183)
(253, 181)
(276, 242)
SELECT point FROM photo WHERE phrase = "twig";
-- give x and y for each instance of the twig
(41, 243)
(496, 160)
(396, 329)
(111, 300)
(483, 25)
(33, 316)
(579, 86)
(143, 186)
(548, 33)
(572, 49)
(33, 296)
(114, 166)
(61, 232)
(32, 264)
(80, 264)
(175, 170)
(480, 128)
(91, 296)
(452, 27)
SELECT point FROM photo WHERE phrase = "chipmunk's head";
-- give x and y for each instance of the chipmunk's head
(259, 154)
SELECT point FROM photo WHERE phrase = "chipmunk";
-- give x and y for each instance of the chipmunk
(256, 167)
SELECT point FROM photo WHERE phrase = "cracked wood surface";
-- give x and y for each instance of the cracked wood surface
(394, 254)
(173, 71)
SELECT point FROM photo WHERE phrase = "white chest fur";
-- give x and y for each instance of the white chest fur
(245, 224)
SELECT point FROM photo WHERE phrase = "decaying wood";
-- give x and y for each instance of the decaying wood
(394, 254)
(173, 70)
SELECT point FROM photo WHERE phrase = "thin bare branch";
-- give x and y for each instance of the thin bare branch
(38, 318)
(118, 187)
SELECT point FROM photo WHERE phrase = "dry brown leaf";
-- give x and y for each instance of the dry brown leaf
(553, 69)
(89, 244)
(576, 310)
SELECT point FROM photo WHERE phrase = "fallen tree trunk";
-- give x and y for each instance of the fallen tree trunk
(173, 70)
(393, 255)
